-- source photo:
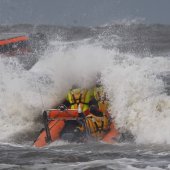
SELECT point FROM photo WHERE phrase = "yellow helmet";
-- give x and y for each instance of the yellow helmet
(76, 91)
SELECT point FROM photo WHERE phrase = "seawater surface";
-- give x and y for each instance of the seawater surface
(86, 156)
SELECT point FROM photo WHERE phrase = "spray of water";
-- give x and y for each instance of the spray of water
(25, 93)
(137, 99)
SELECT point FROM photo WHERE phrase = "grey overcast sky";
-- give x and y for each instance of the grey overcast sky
(83, 12)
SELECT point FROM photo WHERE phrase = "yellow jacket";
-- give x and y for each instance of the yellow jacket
(97, 126)
(82, 97)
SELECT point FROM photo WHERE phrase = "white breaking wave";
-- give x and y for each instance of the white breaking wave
(24, 94)
(137, 98)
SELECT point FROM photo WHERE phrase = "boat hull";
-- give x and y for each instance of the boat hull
(57, 124)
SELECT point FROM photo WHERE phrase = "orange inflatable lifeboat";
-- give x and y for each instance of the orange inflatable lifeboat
(61, 124)
(14, 45)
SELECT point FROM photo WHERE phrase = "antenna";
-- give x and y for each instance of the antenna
(37, 85)
(43, 106)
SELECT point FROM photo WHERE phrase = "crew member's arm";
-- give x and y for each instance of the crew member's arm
(93, 101)
(66, 103)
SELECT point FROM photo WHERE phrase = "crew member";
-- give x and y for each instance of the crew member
(99, 96)
(77, 96)
(96, 124)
